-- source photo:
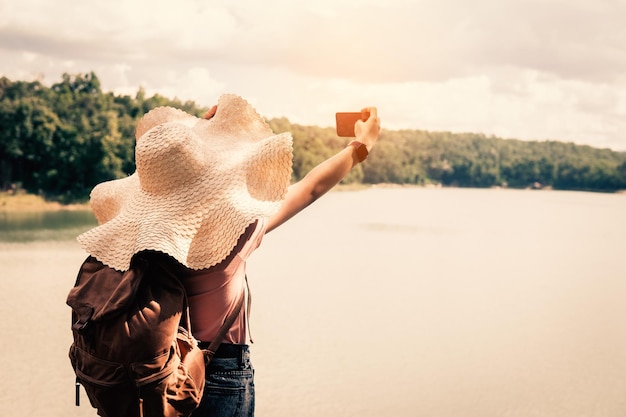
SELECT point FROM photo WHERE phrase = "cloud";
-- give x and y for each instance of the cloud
(527, 69)
(401, 41)
(573, 40)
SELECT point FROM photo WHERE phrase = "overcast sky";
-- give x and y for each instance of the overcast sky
(526, 69)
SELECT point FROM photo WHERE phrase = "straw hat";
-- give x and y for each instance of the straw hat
(197, 186)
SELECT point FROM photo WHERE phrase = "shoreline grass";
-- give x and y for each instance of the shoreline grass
(22, 202)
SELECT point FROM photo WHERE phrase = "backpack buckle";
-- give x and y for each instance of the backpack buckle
(83, 318)
(79, 326)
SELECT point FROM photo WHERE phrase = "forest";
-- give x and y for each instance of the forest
(60, 141)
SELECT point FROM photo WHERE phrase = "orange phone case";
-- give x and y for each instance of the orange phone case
(346, 120)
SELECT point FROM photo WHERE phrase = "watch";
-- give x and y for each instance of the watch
(361, 150)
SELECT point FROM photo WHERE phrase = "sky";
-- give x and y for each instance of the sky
(523, 69)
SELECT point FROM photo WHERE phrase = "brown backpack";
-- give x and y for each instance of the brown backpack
(133, 350)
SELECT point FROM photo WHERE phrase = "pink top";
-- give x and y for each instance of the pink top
(213, 292)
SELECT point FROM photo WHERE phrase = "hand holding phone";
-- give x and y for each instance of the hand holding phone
(347, 120)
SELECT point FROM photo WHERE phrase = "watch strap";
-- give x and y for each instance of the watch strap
(361, 150)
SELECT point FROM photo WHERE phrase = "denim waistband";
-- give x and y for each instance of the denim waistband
(227, 350)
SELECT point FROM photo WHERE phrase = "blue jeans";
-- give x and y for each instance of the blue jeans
(229, 388)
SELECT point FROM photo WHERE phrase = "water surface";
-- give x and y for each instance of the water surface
(32, 226)
(403, 302)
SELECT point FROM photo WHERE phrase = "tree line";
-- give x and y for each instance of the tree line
(60, 141)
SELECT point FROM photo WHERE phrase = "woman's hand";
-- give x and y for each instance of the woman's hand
(367, 132)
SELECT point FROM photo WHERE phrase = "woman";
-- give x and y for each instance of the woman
(205, 192)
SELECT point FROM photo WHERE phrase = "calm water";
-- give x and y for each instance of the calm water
(44, 226)
(399, 302)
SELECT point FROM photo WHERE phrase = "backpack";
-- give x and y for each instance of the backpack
(133, 351)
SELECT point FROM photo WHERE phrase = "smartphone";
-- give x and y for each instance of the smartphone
(347, 120)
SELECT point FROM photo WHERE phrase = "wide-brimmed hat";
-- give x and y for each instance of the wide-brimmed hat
(198, 184)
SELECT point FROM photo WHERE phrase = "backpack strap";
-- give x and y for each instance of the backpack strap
(249, 310)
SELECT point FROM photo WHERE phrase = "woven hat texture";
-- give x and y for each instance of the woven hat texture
(198, 184)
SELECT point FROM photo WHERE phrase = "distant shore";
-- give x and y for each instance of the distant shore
(22, 202)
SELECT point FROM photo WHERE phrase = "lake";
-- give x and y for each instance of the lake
(386, 301)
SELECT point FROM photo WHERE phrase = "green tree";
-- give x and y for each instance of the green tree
(63, 140)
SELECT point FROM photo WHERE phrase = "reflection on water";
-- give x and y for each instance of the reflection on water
(44, 225)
